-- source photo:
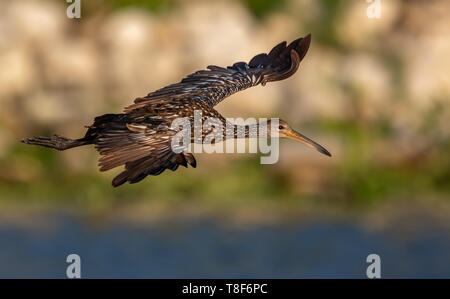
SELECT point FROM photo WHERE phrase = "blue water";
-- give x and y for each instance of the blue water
(204, 249)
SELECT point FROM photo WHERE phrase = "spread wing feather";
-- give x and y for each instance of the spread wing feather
(217, 83)
(144, 149)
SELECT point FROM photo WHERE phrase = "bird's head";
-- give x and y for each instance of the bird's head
(283, 130)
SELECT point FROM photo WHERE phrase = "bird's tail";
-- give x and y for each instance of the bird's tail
(57, 142)
(60, 143)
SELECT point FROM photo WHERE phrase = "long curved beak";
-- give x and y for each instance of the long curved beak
(306, 141)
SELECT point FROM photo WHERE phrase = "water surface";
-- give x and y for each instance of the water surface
(205, 249)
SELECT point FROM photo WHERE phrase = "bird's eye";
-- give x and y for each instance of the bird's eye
(280, 127)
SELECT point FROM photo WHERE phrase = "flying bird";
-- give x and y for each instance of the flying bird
(140, 138)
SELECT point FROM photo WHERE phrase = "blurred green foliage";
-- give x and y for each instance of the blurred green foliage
(324, 28)
(262, 8)
(259, 8)
(152, 5)
(359, 179)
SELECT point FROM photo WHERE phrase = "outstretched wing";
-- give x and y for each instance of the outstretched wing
(144, 149)
(136, 171)
(217, 83)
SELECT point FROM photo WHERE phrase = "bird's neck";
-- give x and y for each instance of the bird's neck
(242, 131)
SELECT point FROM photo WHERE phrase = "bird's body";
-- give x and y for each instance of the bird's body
(140, 138)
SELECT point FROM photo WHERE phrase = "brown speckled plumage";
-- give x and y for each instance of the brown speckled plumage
(140, 138)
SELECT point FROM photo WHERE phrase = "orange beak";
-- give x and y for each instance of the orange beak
(306, 141)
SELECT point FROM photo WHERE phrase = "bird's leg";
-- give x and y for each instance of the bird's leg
(57, 142)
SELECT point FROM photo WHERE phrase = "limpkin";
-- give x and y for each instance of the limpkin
(140, 138)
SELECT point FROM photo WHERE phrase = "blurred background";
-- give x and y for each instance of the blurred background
(375, 92)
